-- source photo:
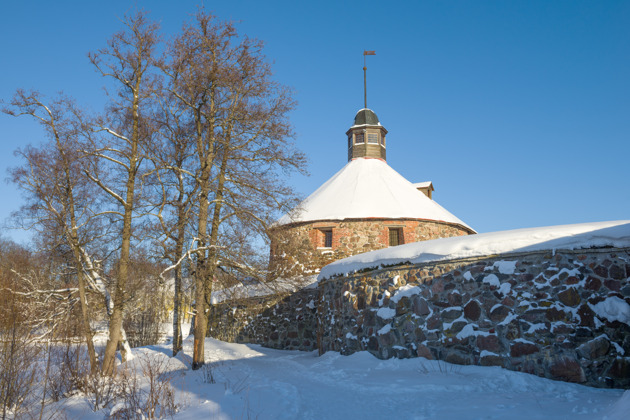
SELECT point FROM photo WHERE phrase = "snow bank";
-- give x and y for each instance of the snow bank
(621, 408)
(263, 383)
(577, 236)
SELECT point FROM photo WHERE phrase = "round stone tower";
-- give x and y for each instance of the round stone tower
(365, 206)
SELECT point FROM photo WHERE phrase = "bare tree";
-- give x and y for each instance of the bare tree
(241, 138)
(59, 200)
(214, 141)
(148, 301)
(177, 193)
(36, 307)
(194, 65)
(17, 352)
(120, 144)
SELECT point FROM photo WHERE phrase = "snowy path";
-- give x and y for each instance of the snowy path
(254, 382)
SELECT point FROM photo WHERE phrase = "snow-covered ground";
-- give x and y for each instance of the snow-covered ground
(258, 383)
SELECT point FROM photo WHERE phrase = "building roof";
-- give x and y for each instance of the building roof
(366, 116)
(368, 188)
(425, 184)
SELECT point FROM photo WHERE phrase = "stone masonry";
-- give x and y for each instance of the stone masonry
(287, 321)
(299, 249)
(533, 312)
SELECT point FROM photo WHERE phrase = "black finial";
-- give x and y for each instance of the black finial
(365, 53)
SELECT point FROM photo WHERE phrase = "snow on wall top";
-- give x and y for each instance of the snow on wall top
(368, 188)
(578, 236)
(258, 289)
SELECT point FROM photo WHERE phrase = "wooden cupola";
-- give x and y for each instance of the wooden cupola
(366, 137)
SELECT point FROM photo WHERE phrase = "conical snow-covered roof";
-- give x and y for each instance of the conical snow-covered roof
(368, 189)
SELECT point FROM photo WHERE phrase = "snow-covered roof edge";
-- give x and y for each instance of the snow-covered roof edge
(367, 188)
(423, 184)
(575, 236)
(366, 125)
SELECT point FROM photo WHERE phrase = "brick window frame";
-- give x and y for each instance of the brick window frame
(395, 236)
(325, 238)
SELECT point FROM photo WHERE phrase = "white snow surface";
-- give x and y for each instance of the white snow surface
(613, 309)
(405, 291)
(492, 280)
(576, 236)
(424, 184)
(256, 289)
(386, 313)
(505, 267)
(265, 384)
(368, 188)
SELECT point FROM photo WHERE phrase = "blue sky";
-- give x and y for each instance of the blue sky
(519, 112)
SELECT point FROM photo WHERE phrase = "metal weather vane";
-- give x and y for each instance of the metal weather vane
(365, 54)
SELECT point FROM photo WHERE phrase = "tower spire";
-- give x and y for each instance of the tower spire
(365, 54)
(366, 137)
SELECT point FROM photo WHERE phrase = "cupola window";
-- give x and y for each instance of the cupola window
(373, 138)
(359, 138)
(350, 141)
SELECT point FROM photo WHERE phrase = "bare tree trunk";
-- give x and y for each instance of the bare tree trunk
(210, 262)
(115, 322)
(86, 329)
(177, 299)
(201, 280)
(127, 60)
(201, 324)
(203, 275)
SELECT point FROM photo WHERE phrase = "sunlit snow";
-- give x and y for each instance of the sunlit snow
(577, 236)
(368, 188)
(266, 384)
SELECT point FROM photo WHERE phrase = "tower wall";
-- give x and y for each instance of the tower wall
(367, 150)
(300, 248)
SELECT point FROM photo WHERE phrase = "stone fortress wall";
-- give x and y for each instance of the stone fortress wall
(285, 321)
(556, 314)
